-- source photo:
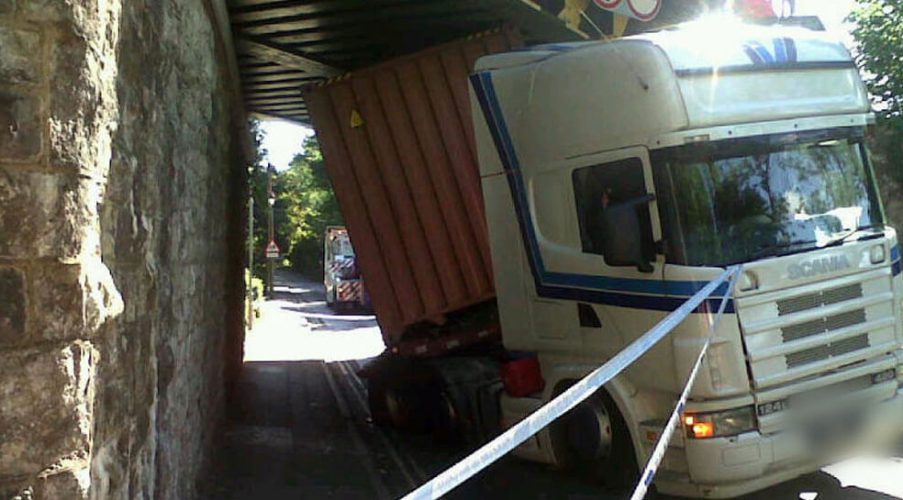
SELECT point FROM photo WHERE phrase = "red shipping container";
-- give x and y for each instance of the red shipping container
(398, 144)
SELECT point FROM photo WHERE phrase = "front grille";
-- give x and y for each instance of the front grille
(822, 325)
(818, 299)
(823, 352)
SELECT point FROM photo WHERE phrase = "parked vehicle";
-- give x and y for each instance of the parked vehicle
(618, 178)
(341, 276)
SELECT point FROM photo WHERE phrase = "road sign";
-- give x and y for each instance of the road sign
(644, 10)
(273, 250)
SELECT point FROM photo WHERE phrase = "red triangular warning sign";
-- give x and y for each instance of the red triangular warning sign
(272, 249)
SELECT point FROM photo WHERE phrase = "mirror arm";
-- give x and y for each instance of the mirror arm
(660, 247)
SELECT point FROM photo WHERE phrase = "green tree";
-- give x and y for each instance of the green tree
(310, 205)
(257, 185)
(878, 31)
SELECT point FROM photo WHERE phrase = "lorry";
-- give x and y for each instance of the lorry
(342, 278)
(617, 179)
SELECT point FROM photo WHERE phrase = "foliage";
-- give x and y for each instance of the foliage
(310, 205)
(257, 185)
(255, 285)
(878, 32)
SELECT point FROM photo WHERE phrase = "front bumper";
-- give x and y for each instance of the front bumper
(736, 465)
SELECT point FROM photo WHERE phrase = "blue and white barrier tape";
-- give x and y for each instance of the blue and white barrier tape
(662, 445)
(561, 404)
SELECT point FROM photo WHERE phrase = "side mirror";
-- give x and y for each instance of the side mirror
(623, 244)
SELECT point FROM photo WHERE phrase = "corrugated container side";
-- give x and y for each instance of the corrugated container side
(399, 147)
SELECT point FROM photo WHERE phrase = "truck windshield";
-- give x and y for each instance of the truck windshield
(739, 200)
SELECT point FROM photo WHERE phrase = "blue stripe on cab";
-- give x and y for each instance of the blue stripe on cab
(790, 46)
(780, 50)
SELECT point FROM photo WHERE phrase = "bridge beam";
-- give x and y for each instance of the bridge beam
(272, 52)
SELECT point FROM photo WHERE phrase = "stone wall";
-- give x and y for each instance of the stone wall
(121, 183)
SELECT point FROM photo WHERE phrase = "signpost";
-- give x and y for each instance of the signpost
(643, 10)
(272, 255)
(249, 285)
(272, 249)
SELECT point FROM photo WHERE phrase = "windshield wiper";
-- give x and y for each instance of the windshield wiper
(846, 236)
(775, 250)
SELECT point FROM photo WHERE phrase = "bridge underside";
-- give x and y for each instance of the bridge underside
(283, 45)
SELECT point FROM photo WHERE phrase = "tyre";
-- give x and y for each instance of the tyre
(594, 441)
(395, 404)
(400, 395)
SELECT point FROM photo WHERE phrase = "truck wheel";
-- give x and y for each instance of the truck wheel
(593, 440)
(396, 405)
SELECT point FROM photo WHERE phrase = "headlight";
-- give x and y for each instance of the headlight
(876, 254)
(720, 423)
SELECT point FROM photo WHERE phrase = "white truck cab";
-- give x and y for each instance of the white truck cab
(620, 177)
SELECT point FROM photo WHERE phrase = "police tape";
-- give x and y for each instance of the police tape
(561, 404)
(662, 445)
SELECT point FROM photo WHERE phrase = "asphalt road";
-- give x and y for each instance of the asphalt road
(299, 426)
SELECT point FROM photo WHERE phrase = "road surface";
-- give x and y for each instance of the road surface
(299, 427)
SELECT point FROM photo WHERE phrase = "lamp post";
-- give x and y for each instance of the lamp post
(271, 200)
(249, 286)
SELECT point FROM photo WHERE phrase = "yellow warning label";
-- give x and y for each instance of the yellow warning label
(620, 25)
(356, 119)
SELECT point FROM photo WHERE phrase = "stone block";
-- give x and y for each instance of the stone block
(21, 135)
(59, 302)
(12, 305)
(39, 215)
(72, 301)
(46, 402)
(19, 51)
(82, 104)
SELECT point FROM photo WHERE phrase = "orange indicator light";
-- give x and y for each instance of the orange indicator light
(703, 429)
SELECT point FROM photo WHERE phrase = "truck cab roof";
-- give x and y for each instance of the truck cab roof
(703, 74)
(715, 42)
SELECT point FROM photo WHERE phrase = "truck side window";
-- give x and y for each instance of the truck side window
(599, 186)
